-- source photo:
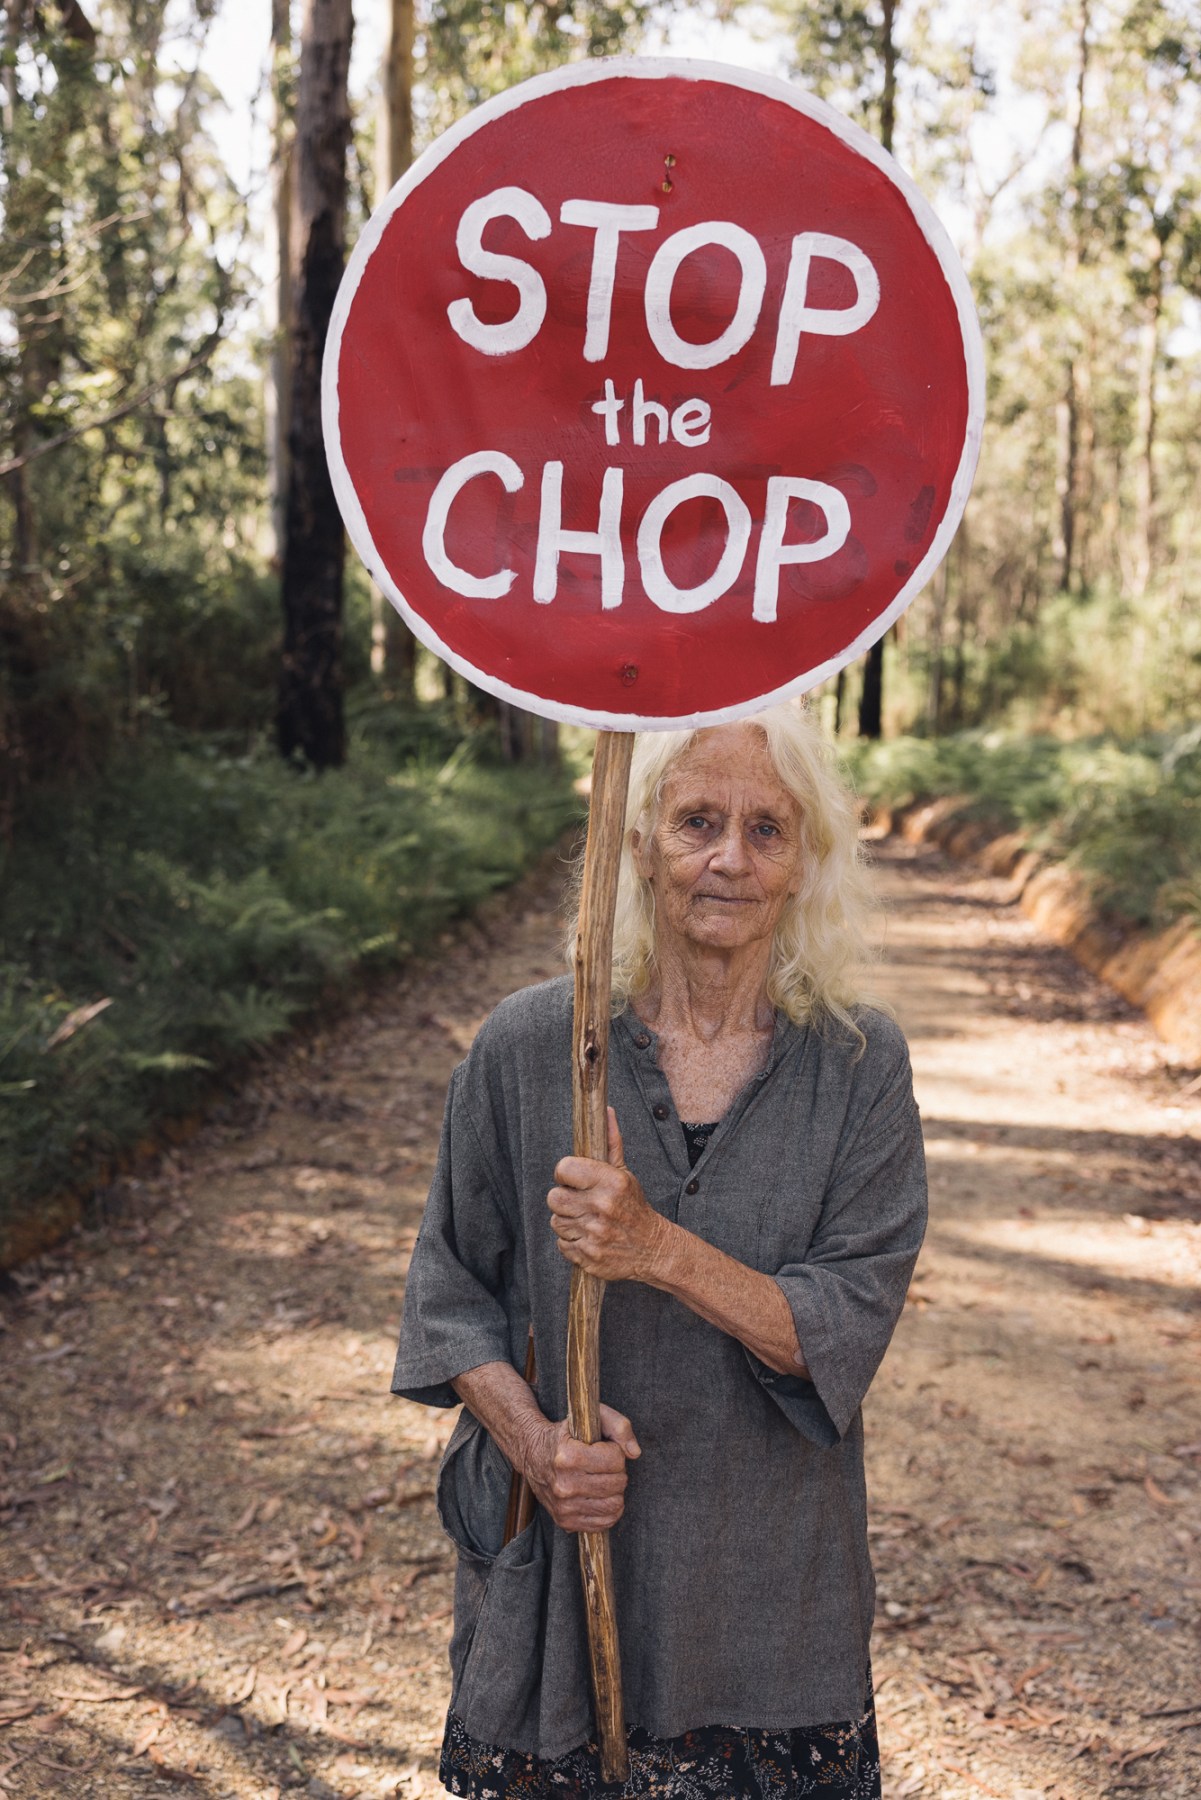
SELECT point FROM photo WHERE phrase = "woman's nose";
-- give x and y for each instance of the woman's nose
(730, 852)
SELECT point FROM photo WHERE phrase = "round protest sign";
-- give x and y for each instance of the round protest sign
(653, 393)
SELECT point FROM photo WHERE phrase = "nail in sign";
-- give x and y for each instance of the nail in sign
(653, 392)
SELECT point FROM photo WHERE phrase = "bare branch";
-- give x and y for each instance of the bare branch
(80, 235)
(15, 273)
(118, 412)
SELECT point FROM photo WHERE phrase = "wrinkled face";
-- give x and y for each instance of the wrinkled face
(724, 857)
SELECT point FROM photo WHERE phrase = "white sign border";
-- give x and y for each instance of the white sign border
(584, 74)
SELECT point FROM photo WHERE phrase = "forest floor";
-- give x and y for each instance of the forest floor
(220, 1570)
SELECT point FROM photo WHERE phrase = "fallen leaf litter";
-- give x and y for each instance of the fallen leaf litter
(219, 1561)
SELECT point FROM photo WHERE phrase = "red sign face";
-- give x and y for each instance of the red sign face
(653, 393)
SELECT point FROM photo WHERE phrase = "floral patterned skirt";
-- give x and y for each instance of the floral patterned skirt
(715, 1762)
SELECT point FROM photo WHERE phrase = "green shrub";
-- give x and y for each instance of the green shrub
(1127, 815)
(213, 899)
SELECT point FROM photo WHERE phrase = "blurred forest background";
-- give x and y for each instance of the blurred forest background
(230, 784)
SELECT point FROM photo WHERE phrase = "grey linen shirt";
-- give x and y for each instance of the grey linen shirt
(743, 1582)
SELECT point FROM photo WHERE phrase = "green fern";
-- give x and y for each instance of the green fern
(215, 899)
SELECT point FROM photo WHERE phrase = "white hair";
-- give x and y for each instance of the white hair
(820, 948)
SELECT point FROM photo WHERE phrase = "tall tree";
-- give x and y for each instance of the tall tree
(36, 254)
(130, 469)
(849, 51)
(393, 647)
(279, 386)
(910, 74)
(310, 717)
(871, 695)
(1156, 223)
(395, 141)
(1073, 420)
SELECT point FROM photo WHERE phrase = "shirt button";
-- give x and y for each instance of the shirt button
(642, 1040)
(694, 1187)
(660, 1111)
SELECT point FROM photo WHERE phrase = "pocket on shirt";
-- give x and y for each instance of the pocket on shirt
(472, 1493)
(496, 1647)
(497, 1687)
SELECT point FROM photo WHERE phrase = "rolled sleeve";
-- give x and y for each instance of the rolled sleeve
(848, 1291)
(454, 1315)
(799, 1401)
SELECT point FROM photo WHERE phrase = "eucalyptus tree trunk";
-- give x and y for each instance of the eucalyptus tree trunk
(1145, 429)
(934, 668)
(18, 24)
(1072, 413)
(76, 23)
(840, 701)
(279, 394)
(393, 646)
(310, 718)
(871, 697)
(32, 261)
(395, 151)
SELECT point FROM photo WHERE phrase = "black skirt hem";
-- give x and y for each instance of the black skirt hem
(714, 1762)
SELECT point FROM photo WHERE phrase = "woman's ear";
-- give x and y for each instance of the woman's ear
(639, 854)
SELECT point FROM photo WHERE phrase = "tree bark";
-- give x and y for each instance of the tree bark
(34, 241)
(1086, 446)
(888, 97)
(959, 656)
(310, 718)
(871, 697)
(75, 23)
(934, 674)
(279, 394)
(1145, 429)
(1070, 427)
(871, 694)
(395, 151)
(393, 646)
(1067, 414)
(17, 24)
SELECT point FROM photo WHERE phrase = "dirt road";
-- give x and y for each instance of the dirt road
(220, 1571)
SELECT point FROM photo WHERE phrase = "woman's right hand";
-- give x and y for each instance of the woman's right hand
(582, 1486)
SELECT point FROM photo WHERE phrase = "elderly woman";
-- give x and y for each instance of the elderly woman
(759, 1216)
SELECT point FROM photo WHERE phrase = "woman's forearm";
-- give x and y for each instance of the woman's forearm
(741, 1301)
(605, 1224)
(582, 1486)
(506, 1408)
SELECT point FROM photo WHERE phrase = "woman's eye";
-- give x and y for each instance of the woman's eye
(766, 829)
(696, 822)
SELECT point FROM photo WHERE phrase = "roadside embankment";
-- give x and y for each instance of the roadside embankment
(1099, 838)
(1156, 966)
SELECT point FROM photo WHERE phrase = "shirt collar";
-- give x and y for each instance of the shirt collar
(644, 1042)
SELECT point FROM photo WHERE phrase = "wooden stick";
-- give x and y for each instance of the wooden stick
(590, 1137)
(520, 1509)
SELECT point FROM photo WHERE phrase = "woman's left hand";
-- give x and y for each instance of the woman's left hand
(602, 1218)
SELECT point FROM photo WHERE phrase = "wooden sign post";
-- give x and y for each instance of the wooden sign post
(653, 394)
(590, 1137)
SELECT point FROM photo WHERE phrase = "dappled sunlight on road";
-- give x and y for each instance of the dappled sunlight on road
(1134, 1250)
(219, 1558)
(1034, 1449)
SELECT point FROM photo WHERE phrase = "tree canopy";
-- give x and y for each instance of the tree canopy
(138, 574)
